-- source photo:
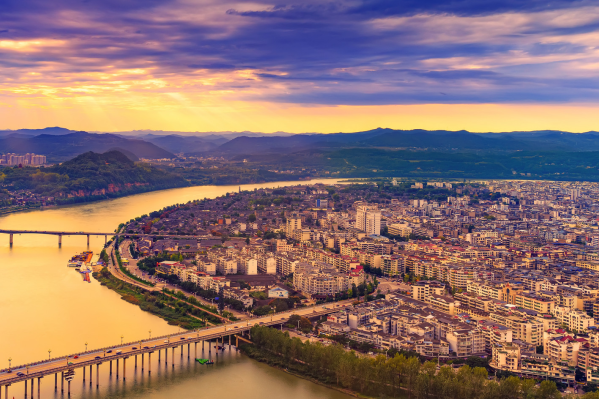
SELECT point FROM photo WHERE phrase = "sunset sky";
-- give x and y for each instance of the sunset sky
(299, 66)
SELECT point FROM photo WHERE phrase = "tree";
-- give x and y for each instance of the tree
(252, 218)
(221, 299)
(247, 241)
(262, 310)
(305, 324)
(280, 305)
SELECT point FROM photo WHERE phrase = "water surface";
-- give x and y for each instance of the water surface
(46, 306)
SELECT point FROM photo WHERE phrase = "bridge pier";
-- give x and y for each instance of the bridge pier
(10, 245)
(88, 240)
(142, 362)
(97, 375)
(173, 357)
(229, 342)
(69, 388)
(124, 370)
(62, 382)
(32, 384)
(59, 240)
(117, 369)
(181, 350)
(6, 391)
(39, 381)
(83, 373)
(196, 351)
(111, 367)
(149, 363)
(105, 240)
(135, 361)
(25, 388)
(55, 382)
(90, 375)
(188, 350)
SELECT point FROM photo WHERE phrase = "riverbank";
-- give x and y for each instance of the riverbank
(175, 312)
(14, 209)
(299, 370)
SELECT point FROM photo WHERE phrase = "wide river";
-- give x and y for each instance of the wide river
(46, 306)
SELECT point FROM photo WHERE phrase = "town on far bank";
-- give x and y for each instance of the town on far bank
(502, 270)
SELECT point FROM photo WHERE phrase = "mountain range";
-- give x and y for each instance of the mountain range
(60, 144)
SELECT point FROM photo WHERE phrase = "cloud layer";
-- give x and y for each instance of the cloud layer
(173, 53)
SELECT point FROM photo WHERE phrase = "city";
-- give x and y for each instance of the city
(504, 270)
(302, 199)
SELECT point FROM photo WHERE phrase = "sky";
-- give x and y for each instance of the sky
(299, 66)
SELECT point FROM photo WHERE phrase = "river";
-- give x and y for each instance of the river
(46, 306)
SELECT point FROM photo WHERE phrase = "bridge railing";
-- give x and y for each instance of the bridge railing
(141, 341)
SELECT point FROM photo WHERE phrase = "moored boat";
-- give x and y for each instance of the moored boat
(83, 258)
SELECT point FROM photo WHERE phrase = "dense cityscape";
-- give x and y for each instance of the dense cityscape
(500, 269)
(301, 200)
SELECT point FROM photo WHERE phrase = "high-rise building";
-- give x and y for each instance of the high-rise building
(368, 219)
(321, 203)
(12, 159)
(294, 222)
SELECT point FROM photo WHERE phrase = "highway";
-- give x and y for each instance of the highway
(100, 356)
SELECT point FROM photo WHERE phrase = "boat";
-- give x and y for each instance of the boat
(86, 271)
(83, 258)
(204, 361)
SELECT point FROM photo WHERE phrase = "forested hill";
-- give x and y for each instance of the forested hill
(91, 174)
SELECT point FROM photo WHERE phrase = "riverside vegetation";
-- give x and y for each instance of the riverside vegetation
(174, 311)
(398, 376)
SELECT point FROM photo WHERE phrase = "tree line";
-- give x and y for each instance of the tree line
(398, 376)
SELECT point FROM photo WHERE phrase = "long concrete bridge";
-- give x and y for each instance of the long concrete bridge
(65, 365)
(55, 233)
(88, 234)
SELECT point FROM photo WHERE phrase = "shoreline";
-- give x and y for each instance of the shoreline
(299, 375)
(153, 302)
(98, 200)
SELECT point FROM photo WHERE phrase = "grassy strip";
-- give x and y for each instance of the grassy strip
(151, 302)
(190, 299)
(127, 272)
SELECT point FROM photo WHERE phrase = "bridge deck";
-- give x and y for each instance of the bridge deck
(57, 365)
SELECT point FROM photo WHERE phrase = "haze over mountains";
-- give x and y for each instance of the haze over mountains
(59, 144)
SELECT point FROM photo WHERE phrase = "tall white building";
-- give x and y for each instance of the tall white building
(368, 219)
(294, 222)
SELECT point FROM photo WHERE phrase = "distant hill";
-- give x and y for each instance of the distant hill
(184, 144)
(128, 154)
(60, 144)
(439, 140)
(61, 147)
(37, 132)
(91, 174)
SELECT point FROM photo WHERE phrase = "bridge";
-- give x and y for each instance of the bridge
(88, 234)
(65, 365)
(56, 233)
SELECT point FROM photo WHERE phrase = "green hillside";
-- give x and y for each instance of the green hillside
(89, 173)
